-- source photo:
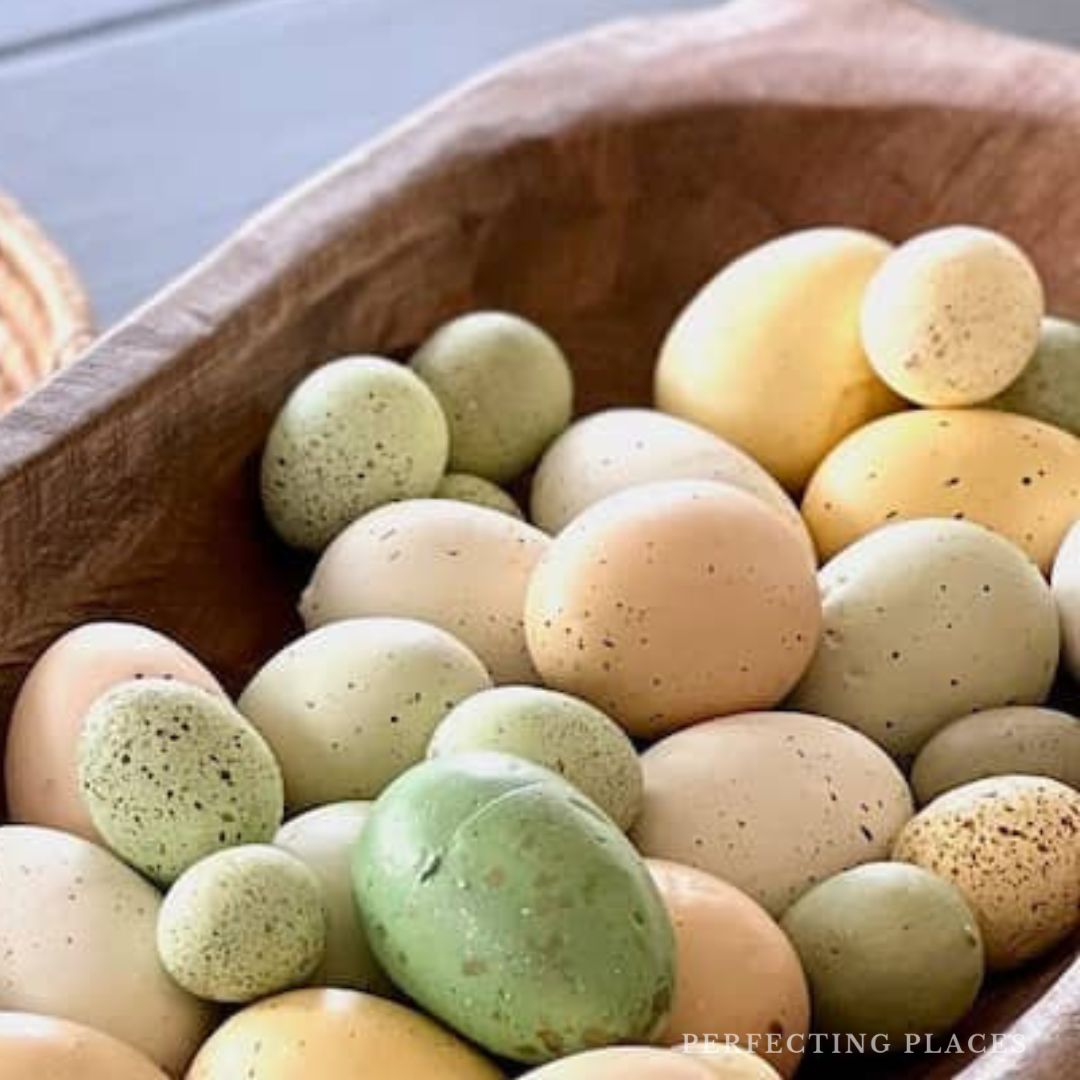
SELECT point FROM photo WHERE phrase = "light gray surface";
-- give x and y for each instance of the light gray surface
(142, 131)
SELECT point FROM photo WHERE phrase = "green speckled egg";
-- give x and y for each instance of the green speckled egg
(508, 905)
(560, 732)
(475, 489)
(887, 949)
(171, 773)
(505, 387)
(1048, 388)
(356, 433)
(241, 924)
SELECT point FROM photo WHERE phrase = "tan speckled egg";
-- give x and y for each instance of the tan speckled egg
(1012, 474)
(762, 992)
(1011, 845)
(668, 603)
(461, 567)
(40, 771)
(1065, 585)
(952, 316)
(629, 1063)
(770, 802)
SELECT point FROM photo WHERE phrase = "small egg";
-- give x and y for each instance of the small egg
(1065, 585)
(462, 568)
(635, 1063)
(952, 316)
(771, 803)
(475, 489)
(1011, 845)
(563, 733)
(353, 704)
(505, 387)
(996, 742)
(335, 1035)
(356, 433)
(927, 621)
(1048, 389)
(762, 993)
(668, 603)
(323, 839)
(41, 775)
(171, 773)
(889, 950)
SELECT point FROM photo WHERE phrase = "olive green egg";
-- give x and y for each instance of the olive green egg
(509, 906)
(888, 949)
(1048, 388)
(462, 487)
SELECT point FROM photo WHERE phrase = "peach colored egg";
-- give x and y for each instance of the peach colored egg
(625, 1063)
(40, 773)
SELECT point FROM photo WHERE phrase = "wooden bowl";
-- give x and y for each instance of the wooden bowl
(593, 186)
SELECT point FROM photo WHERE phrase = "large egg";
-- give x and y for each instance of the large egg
(508, 905)
(1012, 474)
(40, 767)
(461, 567)
(335, 1035)
(768, 354)
(927, 621)
(77, 933)
(635, 1063)
(669, 603)
(770, 802)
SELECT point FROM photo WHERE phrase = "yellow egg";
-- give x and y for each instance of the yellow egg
(335, 1035)
(1014, 475)
(768, 356)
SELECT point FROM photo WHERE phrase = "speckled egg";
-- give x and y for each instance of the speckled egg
(1065, 585)
(505, 387)
(952, 316)
(1048, 388)
(171, 773)
(768, 354)
(770, 802)
(889, 950)
(631, 1063)
(507, 904)
(996, 742)
(607, 452)
(243, 923)
(560, 732)
(927, 621)
(762, 992)
(1011, 845)
(41, 775)
(77, 937)
(353, 704)
(462, 568)
(668, 603)
(354, 434)
(476, 490)
(335, 1035)
(1012, 474)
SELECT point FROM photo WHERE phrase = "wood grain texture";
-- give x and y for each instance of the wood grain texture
(593, 186)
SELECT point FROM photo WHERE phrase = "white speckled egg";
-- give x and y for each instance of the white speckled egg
(475, 489)
(1065, 585)
(1048, 388)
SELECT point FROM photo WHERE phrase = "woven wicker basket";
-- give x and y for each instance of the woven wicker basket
(44, 313)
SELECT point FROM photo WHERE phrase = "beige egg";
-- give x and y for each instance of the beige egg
(731, 1062)
(762, 993)
(772, 803)
(1065, 585)
(45, 1048)
(1011, 845)
(77, 933)
(461, 567)
(1016, 476)
(629, 1063)
(768, 356)
(927, 621)
(40, 768)
(669, 603)
(952, 317)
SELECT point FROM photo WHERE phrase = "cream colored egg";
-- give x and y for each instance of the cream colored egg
(669, 603)
(770, 802)
(461, 567)
(768, 356)
(629, 1063)
(77, 934)
(1011, 845)
(40, 767)
(925, 622)
(731, 1062)
(1065, 585)
(1012, 474)
(952, 317)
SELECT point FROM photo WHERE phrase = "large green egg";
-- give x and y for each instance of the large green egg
(508, 905)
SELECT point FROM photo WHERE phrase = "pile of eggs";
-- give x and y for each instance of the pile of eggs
(593, 795)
